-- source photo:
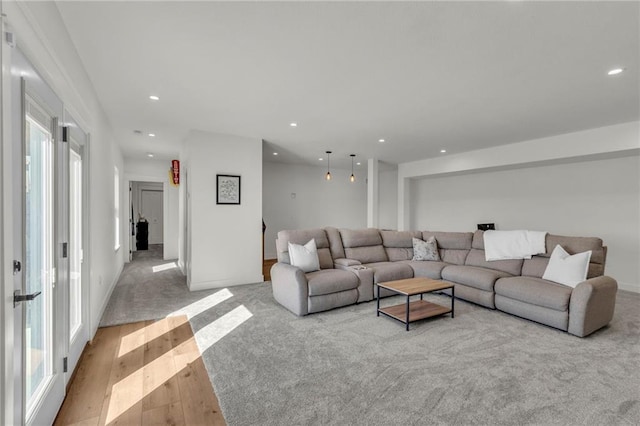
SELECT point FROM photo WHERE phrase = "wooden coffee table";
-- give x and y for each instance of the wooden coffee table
(418, 309)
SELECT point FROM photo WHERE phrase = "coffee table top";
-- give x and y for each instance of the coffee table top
(411, 286)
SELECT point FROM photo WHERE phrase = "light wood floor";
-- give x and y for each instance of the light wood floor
(148, 372)
(266, 268)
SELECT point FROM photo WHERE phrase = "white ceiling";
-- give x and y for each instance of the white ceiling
(423, 76)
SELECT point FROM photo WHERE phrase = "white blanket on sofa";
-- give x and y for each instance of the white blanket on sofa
(503, 245)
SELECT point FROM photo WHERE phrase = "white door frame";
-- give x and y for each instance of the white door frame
(73, 350)
(126, 185)
(13, 138)
(143, 189)
(7, 415)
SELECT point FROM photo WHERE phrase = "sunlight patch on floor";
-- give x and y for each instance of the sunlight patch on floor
(203, 304)
(129, 391)
(145, 335)
(211, 333)
(133, 388)
(133, 341)
(165, 267)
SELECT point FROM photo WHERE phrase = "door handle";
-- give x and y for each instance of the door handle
(18, 298)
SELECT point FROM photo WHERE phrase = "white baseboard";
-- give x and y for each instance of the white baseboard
(207, 285)
(629, 287)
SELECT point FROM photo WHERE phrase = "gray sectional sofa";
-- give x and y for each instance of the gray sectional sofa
(353, 261)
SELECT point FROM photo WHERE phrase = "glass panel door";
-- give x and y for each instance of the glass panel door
(40, 198)
(39, 255)
(75, 243)
(76, 315)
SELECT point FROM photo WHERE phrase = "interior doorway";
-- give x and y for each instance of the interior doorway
(147, 219)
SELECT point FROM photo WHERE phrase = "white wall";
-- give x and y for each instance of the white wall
(183, 212)
(388, 199)
(602, 142)
(104, 262)
(42, 37)
(148, 170)
(318, 203)
(225, 240)
(599, 198)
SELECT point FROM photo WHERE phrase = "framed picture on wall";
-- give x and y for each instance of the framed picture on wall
(228, 189)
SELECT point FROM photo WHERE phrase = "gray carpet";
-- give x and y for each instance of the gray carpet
(142, 294)
(349, 367)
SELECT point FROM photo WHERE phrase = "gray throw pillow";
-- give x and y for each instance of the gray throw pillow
(425, 250)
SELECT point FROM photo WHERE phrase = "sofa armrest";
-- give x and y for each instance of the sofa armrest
(592, 304)
(342, 262)
(290, 288)
(365, 277)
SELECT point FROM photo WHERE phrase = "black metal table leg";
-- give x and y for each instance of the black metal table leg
(407, 313)
(378, 302)
(453, 298)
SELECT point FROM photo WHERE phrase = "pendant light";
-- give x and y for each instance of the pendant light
(352, 178)
(328, 175)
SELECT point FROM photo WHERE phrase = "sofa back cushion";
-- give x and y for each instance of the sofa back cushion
(364, 245)
(398, 244)
(302, 236)
(536, 266)
(476, 258)
(335, 243)
(453, 246)
(478, 240)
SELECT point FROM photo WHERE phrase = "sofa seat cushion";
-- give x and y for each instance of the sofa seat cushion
(327, 281)
(390, 271)
(427, 268)
(332, 301)
(473, 276)
(535, 291)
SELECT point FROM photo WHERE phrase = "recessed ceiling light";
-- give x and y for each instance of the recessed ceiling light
(320, 159)
(293, 124)
(357, 164)
(150, 155)
(275, 153)
(154, 98)
(443, 151)
(381, 140)
(152, 135)
(615, 71)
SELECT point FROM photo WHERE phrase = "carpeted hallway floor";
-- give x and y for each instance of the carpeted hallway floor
(348, 366)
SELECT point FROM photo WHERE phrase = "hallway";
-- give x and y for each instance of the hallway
(148, 288)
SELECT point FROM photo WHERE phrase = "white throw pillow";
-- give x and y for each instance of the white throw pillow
(305, 257)
(567, 269)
